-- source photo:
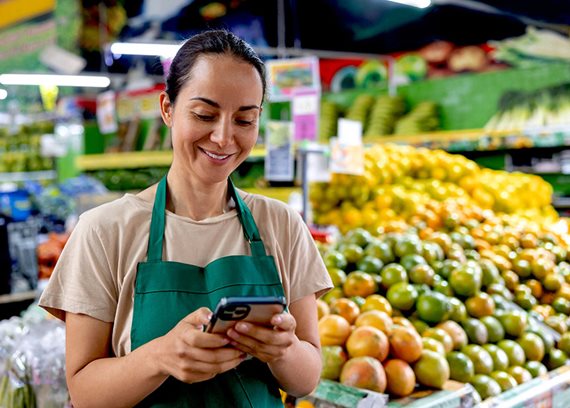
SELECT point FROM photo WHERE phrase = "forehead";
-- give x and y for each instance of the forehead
(215, 74)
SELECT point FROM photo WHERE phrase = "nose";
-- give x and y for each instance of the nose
(222, 133)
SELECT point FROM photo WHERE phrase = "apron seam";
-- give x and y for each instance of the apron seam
(206, 293)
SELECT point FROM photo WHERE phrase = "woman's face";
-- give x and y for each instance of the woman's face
(215, 119)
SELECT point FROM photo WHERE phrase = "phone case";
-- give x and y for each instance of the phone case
(257, 310)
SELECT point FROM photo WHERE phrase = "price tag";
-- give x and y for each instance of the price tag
(305, 110)
(106, 119)
(279, 158)
(346, 159)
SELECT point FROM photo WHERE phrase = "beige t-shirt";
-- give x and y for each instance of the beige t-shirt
(96, 272)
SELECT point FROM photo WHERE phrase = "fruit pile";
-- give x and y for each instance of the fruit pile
(404, 183)
(477, 301)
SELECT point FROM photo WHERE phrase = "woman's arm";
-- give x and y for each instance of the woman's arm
(292, 350)
(95, 379)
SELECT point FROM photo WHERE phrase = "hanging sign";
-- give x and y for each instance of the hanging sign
(287, 76)
(279, 156)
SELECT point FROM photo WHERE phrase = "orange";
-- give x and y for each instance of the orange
(480, 305)
(359, 284)
(322, 308)
(346, 308)
(405, 343)
(333, 330)
(368, 341)
(456, 333)
(364, 372)
(400, 377)
(377, 302)
(375, 318)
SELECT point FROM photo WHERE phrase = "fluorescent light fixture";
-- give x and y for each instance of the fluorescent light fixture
(3, 94)
(415, 3)
(161, 50)
(90, 81)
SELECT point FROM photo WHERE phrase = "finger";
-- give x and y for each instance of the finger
(201, 340)
(261, 334)
(199, 317)
(214, 368)
(284, 322)
(269, 344)
(215, 356)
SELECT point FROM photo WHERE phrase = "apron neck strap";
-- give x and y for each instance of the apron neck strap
(248, 223)
(156, 236)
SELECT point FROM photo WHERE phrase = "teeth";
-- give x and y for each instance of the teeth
(215, 156)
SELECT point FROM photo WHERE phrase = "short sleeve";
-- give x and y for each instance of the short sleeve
(307, 272)
(83, 281)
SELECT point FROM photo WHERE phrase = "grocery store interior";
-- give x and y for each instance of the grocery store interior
(423, 142)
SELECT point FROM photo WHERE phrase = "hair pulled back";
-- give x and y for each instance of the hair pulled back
(209, 42)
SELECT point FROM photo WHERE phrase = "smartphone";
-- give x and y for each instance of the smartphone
(258, 310)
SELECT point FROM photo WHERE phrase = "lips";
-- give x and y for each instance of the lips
(215, 156)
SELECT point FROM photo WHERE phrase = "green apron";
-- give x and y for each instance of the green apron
(166, 292)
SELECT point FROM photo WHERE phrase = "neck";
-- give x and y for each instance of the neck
(193, 199)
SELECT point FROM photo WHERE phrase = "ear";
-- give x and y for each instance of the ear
(166, 109)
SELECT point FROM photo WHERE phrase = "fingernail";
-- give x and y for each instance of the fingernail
(278, 320)
(242, 327)
(209, 316)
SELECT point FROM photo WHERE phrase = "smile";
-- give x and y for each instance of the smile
(215, 156)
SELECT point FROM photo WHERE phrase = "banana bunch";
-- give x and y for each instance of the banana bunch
(360, 108)
(423, 118)
(328, 122)
(385, 112)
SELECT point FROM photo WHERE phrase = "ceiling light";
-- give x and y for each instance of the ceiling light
(162, 50)
(91, 81)
(415, 3)
(3, 94)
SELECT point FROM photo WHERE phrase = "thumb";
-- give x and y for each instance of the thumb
(199, 318)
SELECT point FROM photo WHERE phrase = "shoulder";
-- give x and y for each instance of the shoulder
(126, 209)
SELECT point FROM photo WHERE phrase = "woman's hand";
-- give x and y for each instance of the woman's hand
(191, 355)
(265, 343)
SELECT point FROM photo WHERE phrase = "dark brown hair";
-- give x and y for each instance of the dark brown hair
(209, 42)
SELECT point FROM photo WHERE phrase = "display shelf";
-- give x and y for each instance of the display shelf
(28, 176)
(482, 140)
(332, 394)
(278, 193)
(130, 160)
(18, 297)
(453, 395)
(550, 390)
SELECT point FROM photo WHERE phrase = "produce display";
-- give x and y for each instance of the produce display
(445, 271)
(426, 188)
(20, 151)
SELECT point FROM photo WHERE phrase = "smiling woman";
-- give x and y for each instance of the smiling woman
(139, 276)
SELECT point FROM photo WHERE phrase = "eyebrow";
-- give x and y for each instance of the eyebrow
(217, 105)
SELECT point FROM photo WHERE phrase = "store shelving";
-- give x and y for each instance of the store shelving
(28, 176)
(130, 160)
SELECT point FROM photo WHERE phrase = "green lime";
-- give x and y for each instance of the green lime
(535, 368)
(422, 273)
(514, 351)
(481, 359)
(338, 276)
(335, 259)
(505, 380)
(402, 296)
(458, 311)
(460, 366)
(485, 386)
(556, 358)
(370, 264)
(476, 330)
(532, 345)
(411, 260)
(393, 273)
(500, 358)
(433, 307)
(495, 331)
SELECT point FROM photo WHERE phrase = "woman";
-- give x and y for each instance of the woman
(138, 278)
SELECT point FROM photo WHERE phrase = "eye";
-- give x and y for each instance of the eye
(205, 118)
(243, 122)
